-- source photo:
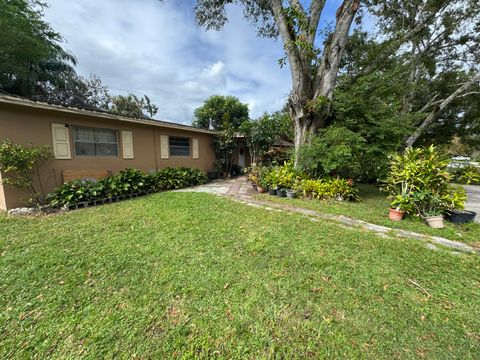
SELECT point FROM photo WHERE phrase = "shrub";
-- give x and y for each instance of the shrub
(275, 155)
(288, 177)
(327, 189)
(20, 165)
(177, 178)
(336, 151)
(467, 175)
(418, 182)
(77, 191)
(126, 182)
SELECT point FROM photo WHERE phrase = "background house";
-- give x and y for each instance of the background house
(94, 144)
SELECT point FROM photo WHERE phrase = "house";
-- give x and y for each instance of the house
(94, 144)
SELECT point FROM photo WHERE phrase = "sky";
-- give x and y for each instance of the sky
(155, 48)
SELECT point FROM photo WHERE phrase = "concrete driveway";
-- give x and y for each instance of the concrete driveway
(473, 199)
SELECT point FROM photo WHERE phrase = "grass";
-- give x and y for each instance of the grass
(185, 275)
(374, 209)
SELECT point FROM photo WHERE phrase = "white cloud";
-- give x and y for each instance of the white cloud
(155, 48)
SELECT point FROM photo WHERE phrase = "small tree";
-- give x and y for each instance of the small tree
(225, 144)
(20, 165)
(219, 110)
(261, 134)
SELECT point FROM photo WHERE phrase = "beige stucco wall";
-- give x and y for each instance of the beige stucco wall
(23, 125)
(3, 204)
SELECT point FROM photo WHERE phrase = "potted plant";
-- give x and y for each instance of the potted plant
(281, 192)
(456, 202)
(460, 216)
(262, 185)
(398, 205)
(271, 178)
(431, 207)
(291, 193)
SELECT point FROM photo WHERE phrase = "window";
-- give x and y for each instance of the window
(179, 146)
(95, 142)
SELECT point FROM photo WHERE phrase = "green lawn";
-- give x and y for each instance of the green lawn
(374, 209)
(193, 275)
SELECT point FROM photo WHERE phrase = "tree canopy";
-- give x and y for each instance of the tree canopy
(31, 55)
(219, 110)
(33, 64)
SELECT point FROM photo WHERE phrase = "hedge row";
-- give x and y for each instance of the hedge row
(126, 183)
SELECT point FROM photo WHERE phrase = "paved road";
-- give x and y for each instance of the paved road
(473, 202)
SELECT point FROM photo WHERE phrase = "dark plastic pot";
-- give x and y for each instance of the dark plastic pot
(272, 192)
(461, 216)
(281, 193)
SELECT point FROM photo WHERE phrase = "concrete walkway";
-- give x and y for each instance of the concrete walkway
(473, 202)
(240, 190)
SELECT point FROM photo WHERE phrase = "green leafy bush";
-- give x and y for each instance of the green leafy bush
(20, 166)
(469, 175)
(77, 191)
(270, 178)
(418, 182)
(177, 178)
(327, 189)
(126, 182)
(275, 155)
(336, 151)
(288, 177)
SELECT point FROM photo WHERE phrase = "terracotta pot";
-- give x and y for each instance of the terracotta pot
(261, 189)
(435, 222)
(396, 215)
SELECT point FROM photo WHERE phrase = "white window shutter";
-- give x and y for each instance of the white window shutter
(195, 148)
(164, 150)
(61, 141)
(127, 144)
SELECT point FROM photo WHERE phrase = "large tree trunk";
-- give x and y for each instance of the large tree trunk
(312, 93)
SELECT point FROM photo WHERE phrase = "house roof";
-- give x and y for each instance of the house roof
(8, 99)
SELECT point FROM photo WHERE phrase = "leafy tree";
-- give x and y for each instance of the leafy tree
(219, 110)
(261, 134)
(335, 151)
(133, 106)
(313, 70)
(443, 43)
(31, 56)
(225, 144)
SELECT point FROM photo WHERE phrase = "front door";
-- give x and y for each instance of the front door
(241, 155)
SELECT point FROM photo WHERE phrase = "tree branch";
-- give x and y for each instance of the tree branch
(328, 70)
(293, 55)
(439, 108)
(396, 43)
(316, 9)
(297, 6)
